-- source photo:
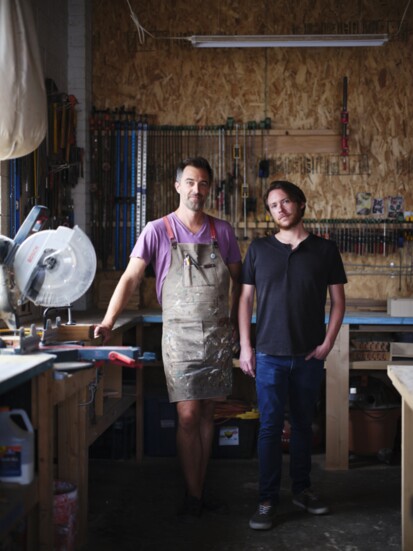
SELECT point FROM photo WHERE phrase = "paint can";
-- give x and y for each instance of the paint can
(65, 508)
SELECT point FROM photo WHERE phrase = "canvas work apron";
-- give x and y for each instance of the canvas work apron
(196, 337)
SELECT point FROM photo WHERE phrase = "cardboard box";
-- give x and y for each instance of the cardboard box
(401, 350)
(402, 307)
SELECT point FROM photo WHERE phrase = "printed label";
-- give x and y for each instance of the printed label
(10, 461)
(229, 436)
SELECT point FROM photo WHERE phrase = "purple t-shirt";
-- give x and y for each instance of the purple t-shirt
(154, 247)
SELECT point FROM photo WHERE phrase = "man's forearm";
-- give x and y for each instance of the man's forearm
(118, 302)
(244, 321)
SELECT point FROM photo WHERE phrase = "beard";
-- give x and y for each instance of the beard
(290, 222)
(195, 202)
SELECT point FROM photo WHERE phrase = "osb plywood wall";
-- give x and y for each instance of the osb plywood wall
(299, 90)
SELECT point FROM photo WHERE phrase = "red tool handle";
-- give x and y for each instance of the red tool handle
(121, 359)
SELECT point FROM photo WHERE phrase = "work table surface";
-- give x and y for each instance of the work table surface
(402, 378)
(154, 315)
(350, 318)
(19, 368)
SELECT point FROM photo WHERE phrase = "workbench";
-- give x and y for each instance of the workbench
(80, 424)
(84, 404)
(88, 402)
(402, 378)
(34, 501)
(338, 368)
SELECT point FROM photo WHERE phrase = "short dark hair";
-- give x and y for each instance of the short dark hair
(197, 162)
(294, 193)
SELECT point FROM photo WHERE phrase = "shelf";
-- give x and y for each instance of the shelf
(113, 409)
(382, 329)
(303, 141)
(17, 500)
(377, 364)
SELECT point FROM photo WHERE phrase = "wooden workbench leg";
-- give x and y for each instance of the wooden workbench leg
(44, 412)
(139, 398)
(139, 414)
(337, 405)
(407, 478)
(73, 452)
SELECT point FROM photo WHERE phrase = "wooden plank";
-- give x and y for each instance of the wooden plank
(45, 459)
(114, 408)
(99, 394)
(83, 471)
(73, 451)
(112, 380)
(370, 364)
(72, 384)
(399, 349)
(402, 379)
(337, 412)
(19, 368)
(407, 476)
(78, 332)
(383, 328)
(304, 143)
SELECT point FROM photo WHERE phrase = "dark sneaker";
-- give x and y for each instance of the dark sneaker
(263, 518)
(191, 507)
(310, 502)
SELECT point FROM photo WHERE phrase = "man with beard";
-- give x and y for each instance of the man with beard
(291, 273)
(195, 258)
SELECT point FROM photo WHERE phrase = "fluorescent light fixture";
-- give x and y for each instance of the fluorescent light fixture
(288, 41)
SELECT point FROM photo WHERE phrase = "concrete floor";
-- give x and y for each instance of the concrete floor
(133, 508)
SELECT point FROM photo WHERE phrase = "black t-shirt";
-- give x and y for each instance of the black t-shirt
(291, 287)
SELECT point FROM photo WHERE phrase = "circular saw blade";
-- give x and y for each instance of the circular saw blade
(55, 267)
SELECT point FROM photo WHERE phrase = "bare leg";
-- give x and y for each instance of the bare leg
(194, 441)
(207, 435)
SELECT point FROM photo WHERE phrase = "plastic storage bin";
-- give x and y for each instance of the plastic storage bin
(160, 423)
(235, 438)
(374, 415)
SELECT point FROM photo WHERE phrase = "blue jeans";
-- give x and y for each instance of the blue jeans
(281, 380)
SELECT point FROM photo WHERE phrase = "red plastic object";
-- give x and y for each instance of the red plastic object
(121, 359)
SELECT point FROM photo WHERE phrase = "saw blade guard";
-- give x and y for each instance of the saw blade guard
(55, 267)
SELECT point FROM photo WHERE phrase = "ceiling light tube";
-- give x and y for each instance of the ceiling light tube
(288, 41)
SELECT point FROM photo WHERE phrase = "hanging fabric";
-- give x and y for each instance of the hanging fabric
(23, 102)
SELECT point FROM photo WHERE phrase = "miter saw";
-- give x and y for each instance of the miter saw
(51, 268)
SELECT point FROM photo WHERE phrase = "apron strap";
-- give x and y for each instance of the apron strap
(169, 231)
(212, 229)
(172, 238)
(213, 232)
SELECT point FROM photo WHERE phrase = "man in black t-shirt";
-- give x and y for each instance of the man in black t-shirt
(291, 273)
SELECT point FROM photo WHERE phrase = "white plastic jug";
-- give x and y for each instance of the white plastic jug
(16, 447)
